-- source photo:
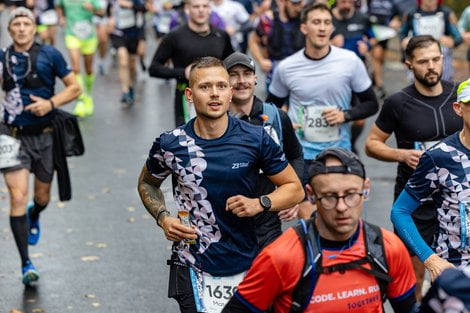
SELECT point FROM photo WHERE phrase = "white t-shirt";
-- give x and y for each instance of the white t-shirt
(312, 86)
(234, 15)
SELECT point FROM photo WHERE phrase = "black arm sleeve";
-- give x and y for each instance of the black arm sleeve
(291, 145)
(366, 106)
(279, 102)
(235, 306)
(162, 55)
(404, 305)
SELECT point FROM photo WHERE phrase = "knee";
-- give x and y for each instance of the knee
(42, 198)
(18, 200)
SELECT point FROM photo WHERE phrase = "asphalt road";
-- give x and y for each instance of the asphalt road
(101, 252)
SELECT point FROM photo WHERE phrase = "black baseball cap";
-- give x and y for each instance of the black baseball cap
(238, 58)
(350, 163)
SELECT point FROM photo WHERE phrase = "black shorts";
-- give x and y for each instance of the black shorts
(130, 43)
(180, 287)
(36, 155)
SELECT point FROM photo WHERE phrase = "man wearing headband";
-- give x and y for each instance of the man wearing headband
(326, 269)
(443, 175)
(28, 72)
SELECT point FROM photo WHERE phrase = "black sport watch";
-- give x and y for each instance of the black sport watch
(265, 203)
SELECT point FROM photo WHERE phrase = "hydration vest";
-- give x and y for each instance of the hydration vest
(375, 257)
(32, 79)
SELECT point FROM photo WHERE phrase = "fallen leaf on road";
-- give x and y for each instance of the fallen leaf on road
(90, 296)
(15, 311)
(89, 243)
(60, 205)
(38, 311)
(31, 300)
(5, 210)
(146, 216)
(91, 258)
(5, 230)
(36, 255)
(3, 190)
(91, 197)
(101, 245)
(131, 209)
(96, 304)
(105, 190)
(131, 219)
(120, 171)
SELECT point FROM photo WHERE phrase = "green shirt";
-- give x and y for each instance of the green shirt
(79, 21)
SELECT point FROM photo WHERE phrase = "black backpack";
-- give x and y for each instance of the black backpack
(375, 256)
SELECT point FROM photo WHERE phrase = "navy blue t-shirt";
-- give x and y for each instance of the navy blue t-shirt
(207, 173)
(50, 64)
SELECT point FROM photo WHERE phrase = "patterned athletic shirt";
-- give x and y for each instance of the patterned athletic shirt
(207, 173)
(443, 173)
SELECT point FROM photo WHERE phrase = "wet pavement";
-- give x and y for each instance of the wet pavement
(101, 252)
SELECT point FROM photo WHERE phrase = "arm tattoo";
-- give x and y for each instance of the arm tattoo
(151, 195)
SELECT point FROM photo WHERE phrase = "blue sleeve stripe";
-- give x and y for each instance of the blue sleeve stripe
(406, 228)
(248, 305)
(403, 296)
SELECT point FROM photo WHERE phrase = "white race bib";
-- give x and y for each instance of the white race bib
(82, 29)
(433, 25)
(212, 293)
(425, 145)
(9, 151)
(382, 32)
(125, 18)
(316, 128)
(49, 18)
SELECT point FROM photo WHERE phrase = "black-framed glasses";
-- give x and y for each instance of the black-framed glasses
(350, 199)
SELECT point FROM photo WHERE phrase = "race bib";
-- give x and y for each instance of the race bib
(49, 18)
(82, 29)
(424, 145)
(464, 225)
(125, 18)
(9, 151)
(316, 128)
(382, 32)
(212, 293)
(433, 25)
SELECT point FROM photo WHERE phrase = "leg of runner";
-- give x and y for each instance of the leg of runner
(79, 109)
(124, 76)
(41, 198)
(102, 32)
(132, 75)
(378, 58)
(141, 53)
(88, 82)
(17, 184)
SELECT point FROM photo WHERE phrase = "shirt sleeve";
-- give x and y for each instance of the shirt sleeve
(400, 268)
(272, 160)
(387, 119)
(424, 180)
(278, 86)
(360, 80)
(156, 165)
(61, 68)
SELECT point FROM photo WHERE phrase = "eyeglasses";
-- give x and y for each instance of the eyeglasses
(351, 200)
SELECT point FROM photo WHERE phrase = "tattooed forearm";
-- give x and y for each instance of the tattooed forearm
(151, 195)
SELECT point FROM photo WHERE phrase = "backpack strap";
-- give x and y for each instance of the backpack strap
(33, 80)
(274, 119)
(303, 291)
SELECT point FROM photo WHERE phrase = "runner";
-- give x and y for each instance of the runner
(419, 116)
(185, 44)
(384, 16)
(464, 28)
(102, 32)
(441, 174)
(277, 36)
(215, 161)
(28, 72)
(46, 19)
(246, 106)
(334, 262)
(319, 81)
(432, 18)
(128, 31)
(81, 40)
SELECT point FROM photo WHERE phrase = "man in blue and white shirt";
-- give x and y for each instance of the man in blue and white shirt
(215, 160)
(443, 174)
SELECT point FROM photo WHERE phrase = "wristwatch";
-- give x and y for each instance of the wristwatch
(265, 203)
(161, 214)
